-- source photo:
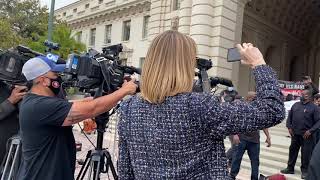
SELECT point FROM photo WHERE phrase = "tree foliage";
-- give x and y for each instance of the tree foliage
(26, 17)
(63, 35)
(26, 22)
(8, 38)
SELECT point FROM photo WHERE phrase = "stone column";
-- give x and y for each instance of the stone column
(238, 39)
(185, 16)
(158, 11)
(312, 62)
(213, 27)
(284, 68)
(201, 27)
(240, 73)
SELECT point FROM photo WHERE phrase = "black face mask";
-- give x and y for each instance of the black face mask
(55, 85)
(304, 99)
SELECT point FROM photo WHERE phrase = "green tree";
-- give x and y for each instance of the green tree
(8, 38)
(26, 22)
(26, 17)
(63, 35)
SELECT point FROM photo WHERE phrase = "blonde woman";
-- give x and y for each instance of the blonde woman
(169, 132)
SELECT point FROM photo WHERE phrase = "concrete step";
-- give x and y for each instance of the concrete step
(270, 170)
(275, 149)
(274, 158)
(276, 165)
(272, 155)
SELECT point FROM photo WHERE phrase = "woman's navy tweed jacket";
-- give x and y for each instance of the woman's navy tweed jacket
(182, 138)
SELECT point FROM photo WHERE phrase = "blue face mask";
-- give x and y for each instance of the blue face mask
(302, 99)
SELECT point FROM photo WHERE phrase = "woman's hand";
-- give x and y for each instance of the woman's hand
(250, 55)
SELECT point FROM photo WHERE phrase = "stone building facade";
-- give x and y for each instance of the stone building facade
(286, 31)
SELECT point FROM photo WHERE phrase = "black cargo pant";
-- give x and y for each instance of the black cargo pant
(306, 145)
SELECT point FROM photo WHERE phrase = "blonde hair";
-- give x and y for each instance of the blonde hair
(169, 67)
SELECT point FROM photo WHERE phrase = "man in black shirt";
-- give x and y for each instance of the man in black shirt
(316, 101)
(308, 84)
(48, 145)
(9, 122)
(302, 123)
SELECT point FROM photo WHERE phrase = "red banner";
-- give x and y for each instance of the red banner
(290, 87)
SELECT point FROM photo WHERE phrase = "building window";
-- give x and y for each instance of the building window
(126, 31)
(107, 39)
(145, 26)
(92, 37)
(176, 5)
(100, 1)
(64, 14)
(79, 36)
(141, 61)
(87, 6)
(75, 10)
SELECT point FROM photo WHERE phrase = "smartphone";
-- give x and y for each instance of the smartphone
(233, 55)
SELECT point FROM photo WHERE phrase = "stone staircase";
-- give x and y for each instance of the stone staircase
(272, 159)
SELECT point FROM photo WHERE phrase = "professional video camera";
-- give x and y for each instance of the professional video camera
(103, 73)
(94, 69)
(205, 83)
(12, 61)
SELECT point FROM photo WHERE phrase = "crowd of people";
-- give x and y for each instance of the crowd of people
(303, 123)
(166, 131)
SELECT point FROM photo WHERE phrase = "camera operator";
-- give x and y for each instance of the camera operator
(308, 84)
(48, 144)
(9, 122)
(169, 132)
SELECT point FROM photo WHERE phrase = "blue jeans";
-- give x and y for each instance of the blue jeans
(253, 150)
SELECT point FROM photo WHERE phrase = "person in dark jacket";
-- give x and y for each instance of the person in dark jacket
(316, 100)
(308, 84)
(169, 132)
(302, 123)
(9, 122)
(313, 170)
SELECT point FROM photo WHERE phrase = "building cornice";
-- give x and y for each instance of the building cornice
(110, 13)
(70, 6)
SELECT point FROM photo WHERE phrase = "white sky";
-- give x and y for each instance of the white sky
(58, 4)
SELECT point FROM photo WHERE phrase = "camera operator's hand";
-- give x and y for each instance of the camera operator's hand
(17, 94)
(250, 55)
(129, 86)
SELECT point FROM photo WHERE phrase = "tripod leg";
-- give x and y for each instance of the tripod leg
(97, 172)
(91, 169)
(110, 163)
(14, 161)
(84, 167)
(6, 166)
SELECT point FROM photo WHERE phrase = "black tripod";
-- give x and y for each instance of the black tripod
(98, 160)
